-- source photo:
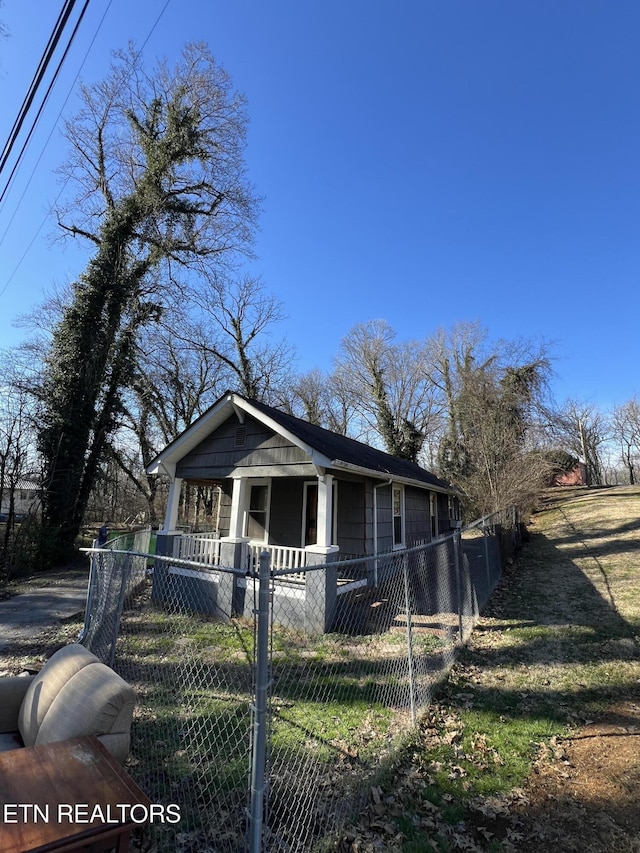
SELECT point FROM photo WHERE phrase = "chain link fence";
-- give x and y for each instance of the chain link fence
(114, 575)
(268, 700)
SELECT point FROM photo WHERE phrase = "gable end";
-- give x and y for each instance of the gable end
(227, 450)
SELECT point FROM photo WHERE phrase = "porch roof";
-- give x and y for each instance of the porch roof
(325, 449)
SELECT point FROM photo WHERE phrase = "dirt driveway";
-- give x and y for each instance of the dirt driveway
(582, 796)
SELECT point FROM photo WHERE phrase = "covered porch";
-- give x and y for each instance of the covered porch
(246, 517)
(257, 514)
(307, 496)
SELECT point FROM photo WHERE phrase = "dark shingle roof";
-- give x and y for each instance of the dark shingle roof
(339, 448)
(334, 451)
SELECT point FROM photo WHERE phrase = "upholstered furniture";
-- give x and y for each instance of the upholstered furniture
(73, 694)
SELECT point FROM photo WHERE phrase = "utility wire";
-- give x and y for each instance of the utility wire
(40, 156)
(54, 38)
(31, 242)
(43, 104)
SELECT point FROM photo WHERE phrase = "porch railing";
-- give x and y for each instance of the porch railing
(203, 548)
(199, 548)
(282, 557)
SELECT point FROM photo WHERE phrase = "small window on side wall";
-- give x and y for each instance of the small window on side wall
(398, 515)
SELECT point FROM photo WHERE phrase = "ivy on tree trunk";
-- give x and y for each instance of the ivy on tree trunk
(161, 156)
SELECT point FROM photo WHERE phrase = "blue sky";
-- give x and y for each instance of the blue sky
(423, 162)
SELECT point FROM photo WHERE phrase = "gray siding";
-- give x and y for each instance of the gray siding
(352, 515)
(417, 519)
(385, 519)
(217, 455)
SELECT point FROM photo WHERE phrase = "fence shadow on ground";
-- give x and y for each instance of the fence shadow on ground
(571, 620)
(574, 656)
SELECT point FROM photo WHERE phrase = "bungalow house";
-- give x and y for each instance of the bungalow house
(307, 495)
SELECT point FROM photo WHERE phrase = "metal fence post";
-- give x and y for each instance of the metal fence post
(412, 690)
(486, 555)
(91, 594)
(258, 764)
(456, 558)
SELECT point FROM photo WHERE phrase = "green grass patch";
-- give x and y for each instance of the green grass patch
(328, 731)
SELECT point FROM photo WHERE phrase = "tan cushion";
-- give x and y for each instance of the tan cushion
(95, 701)
(118, 745)
(46, 686)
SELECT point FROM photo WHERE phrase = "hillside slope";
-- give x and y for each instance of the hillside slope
(534, 742)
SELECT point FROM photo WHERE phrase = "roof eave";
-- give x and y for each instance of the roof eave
(389, 475)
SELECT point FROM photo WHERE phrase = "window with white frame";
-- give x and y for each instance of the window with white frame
(398, 515)
(257, 519)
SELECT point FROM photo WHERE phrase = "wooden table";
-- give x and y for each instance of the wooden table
(69, 795)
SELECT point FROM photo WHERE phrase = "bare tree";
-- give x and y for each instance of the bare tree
(321, 399)
(493, 464)
(173, 385)
(18, 458)
(625, 429)
(236, 325)
(389, 385)
(157, 161)
(185, 364)
(489, 394)
(583, 430)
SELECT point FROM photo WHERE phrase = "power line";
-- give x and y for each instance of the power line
(31, 242)
(37, 79)
(29, 100)
(48, 139)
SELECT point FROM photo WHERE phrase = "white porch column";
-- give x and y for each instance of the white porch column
(234, 553)
(325, 510)
(238, 504)
(173, 504)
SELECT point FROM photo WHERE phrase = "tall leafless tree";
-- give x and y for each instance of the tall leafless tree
(157, 161)
(625, 429)
(388, 382)
(489, 394)
(321, 399)
(583, 429)
(237, 325)
(18, 458)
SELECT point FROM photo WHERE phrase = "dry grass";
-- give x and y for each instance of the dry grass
(505, 760)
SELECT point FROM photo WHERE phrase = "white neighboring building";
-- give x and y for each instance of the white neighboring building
(26, 498)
